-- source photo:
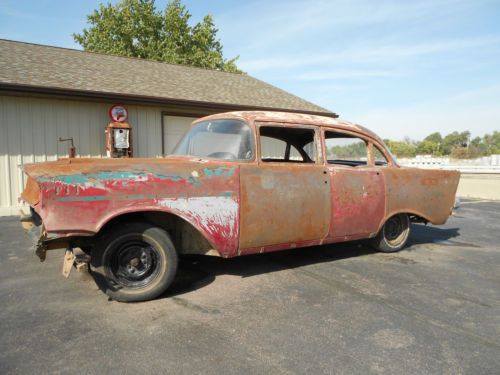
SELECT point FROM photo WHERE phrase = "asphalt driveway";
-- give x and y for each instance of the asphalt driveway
(431, 309)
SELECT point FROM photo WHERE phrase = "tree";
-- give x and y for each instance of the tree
(136, 28)
(454, 140)
(427, 147)
(492, 142)
(434, 138)
(431, 145)
(405, 149)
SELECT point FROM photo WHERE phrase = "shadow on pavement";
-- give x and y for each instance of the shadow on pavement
(196, 272)
(424, 234)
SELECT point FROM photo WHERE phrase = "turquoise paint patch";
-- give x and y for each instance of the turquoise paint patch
(226, 194)
(194, 181)
(172, 178)
(117, 175)
(96, 178)
(219, 171)
(43, 179)
(73, 179)
(82, 179)
(84, 199)
(106, 198)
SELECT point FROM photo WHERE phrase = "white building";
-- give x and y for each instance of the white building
(50, 92)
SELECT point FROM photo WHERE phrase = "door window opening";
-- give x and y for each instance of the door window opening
(345, 149)
(289, 145)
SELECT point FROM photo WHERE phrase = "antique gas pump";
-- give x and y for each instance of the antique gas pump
(118, 134)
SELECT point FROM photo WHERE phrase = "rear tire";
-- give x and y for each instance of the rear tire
(136, 262)
(393, 235)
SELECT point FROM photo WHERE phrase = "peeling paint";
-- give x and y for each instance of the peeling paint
(216, 215)
(219, 171)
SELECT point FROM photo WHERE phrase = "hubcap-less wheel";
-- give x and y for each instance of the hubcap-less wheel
(394, 230)
(134, 264)
(393, 235)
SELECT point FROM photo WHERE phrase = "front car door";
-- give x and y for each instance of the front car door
(285, 197)
(357, 186)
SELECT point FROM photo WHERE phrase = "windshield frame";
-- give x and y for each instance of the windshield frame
(203, 120)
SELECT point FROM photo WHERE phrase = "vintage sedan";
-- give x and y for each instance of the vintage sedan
(238, 183)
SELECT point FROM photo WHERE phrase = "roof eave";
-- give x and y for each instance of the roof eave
(58, 91)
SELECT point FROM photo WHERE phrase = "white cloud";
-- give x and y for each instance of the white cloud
(270, 23)
(340, 74)
(366, 55)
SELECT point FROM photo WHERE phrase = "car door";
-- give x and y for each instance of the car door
(357, 186)
(285, 197)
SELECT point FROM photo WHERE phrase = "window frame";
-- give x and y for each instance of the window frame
(370, 143)
(317, 139)
(382, 151)
(253, 139)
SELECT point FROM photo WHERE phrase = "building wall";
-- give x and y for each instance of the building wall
(30, 128)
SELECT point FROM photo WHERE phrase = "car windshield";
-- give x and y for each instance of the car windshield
(218, 139)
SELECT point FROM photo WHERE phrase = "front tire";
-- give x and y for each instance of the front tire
(393, 235)
(136, 262)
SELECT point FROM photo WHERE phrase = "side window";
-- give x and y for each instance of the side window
(287, 144)
(379, 157)
(310, 150)
(272, 148)
(345, 149)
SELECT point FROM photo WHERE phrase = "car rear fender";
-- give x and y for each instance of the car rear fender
(426, 193)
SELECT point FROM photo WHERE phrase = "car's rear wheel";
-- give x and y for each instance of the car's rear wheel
(393, 235)
(136, 262)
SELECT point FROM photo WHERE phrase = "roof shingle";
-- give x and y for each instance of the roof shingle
(32, 65)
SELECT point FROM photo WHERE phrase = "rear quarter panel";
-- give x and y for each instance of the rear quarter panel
(424, 192)
(78, 202)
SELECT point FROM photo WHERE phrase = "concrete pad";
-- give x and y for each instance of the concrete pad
(481, 186)
(433, 308)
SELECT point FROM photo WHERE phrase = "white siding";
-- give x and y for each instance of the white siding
(30, 128)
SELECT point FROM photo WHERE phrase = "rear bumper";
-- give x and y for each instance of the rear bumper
(41, 240)
(33, 226)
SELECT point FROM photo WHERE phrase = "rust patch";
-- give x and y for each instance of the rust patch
(423, 192)
(283, 204)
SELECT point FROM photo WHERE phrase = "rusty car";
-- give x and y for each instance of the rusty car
(237, 183)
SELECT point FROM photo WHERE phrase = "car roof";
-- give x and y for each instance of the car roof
(293, 118)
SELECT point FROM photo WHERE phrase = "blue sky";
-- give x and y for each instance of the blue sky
(401, 68)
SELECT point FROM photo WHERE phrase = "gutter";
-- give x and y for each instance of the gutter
(143, 99)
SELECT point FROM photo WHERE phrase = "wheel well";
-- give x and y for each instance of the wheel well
(186, 238)
(416, 218)
(413, 217)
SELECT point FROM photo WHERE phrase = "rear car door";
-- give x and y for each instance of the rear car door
(357, 186)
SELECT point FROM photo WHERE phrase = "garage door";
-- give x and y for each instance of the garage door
(175, 127)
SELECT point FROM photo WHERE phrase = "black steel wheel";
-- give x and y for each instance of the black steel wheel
(393, 235)
(136, 262)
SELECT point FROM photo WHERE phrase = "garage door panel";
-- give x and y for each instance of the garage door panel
(175, 127)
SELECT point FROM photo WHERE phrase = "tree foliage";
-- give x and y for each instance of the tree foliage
(455, 140)
(352, 151)
(136, 28)
(402, 149)
(434, 138)
(456, 144)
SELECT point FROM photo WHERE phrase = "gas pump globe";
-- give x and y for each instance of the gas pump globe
(118, 134)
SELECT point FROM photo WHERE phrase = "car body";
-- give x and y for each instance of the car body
(242, 183)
